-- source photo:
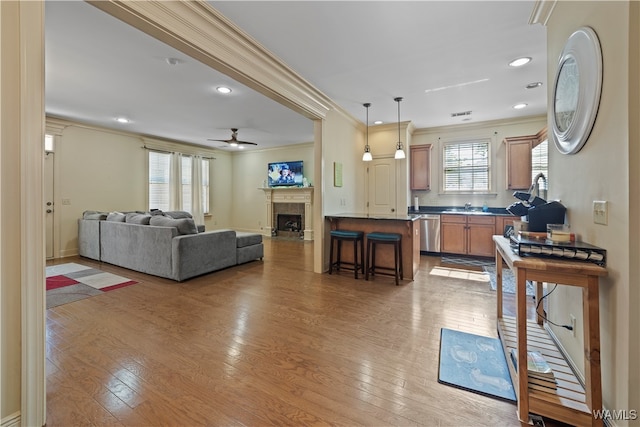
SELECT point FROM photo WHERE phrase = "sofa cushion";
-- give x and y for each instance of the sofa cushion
(183, 225)
(97, 215)
(116, 216)
(136, 218)
(247, 239)
(178, 214)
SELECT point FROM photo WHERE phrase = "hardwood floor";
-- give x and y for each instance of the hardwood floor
(267, 343)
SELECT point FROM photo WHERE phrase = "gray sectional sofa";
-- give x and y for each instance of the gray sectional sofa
(162, 245)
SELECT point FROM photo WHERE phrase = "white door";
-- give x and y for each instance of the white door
(48, 201)
(381, 183)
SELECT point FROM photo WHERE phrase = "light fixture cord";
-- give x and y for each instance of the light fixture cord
(398, 101)
(367, 105)
(367, 144)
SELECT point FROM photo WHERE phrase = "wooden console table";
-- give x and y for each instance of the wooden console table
(570, 403)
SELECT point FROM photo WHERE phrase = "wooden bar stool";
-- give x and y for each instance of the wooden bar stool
(374, 239)
(338, 236)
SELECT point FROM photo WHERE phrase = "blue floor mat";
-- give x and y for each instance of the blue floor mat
(474, 363)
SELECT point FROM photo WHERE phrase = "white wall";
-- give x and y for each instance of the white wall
(249, 170)
(10, 212)
(496, 131)
(343, 142)
(601, 171)
(99, 169)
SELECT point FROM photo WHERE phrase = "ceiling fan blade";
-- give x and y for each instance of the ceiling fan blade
(220, 140)
(246, 142)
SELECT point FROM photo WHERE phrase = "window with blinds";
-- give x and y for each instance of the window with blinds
(467, 166)
(540, 163)
(160, 178)
(186, 183)
(159, 166)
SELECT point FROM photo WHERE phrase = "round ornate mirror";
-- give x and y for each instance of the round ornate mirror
(576, 91)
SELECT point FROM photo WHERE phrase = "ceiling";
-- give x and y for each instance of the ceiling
(441, 57)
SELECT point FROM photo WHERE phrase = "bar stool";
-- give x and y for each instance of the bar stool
(394, 239)
(339, 236)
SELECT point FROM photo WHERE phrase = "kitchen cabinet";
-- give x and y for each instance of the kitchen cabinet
(502, 221)
(467, 234)
(519, 161)
(420, 171)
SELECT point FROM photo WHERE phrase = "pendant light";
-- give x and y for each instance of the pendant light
(399, 150)
(367, 157)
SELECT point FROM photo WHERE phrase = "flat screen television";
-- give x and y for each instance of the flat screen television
(285, 174)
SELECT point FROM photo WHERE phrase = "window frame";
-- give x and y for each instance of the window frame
(206, 178)
(485, 142)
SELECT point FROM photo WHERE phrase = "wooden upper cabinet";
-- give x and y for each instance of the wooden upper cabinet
(519, 161)
(420, 167)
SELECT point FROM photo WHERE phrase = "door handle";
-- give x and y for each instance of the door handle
(49, 210)
(393, 210)
(49, 203)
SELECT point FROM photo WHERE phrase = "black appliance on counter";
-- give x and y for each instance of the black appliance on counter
(538, 211)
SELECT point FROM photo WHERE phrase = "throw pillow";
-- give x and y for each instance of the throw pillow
(116, 216)
(156, 212)
(136, 218)
(184, 225)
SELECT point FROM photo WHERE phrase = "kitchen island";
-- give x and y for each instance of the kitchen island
(406, 225)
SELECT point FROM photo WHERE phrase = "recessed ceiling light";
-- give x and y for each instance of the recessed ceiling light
(519, 106)
(533, 85)
(173, 61)
(223, 89)
(378, 122)
(122, 120)
(519, 62)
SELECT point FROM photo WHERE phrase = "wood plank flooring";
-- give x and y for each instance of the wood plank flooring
(268, 343)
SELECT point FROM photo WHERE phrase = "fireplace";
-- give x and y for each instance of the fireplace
(291, 224)
(288, 219)
(289, 212)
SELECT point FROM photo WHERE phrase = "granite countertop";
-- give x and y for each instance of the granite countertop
(412, 216)
(457, 210)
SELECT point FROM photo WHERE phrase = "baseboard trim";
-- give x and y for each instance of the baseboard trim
(12, 420)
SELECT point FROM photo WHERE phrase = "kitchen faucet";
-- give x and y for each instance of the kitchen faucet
(467, 206)
(535, 186)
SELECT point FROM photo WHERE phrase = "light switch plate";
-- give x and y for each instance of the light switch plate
(600, 212)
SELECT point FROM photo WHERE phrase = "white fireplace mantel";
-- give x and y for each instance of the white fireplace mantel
(289, 195)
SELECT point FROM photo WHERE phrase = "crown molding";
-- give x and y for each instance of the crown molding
(200, 31)
(481, 125)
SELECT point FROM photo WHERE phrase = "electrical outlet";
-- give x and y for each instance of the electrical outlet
(600, 212)
(573, 324)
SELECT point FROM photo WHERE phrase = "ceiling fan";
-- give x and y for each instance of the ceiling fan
(234, 142)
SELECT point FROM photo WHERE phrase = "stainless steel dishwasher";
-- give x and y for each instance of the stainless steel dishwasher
(430, 233)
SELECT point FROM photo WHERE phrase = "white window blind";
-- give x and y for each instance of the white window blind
(159, 180)
(205, 186)
(540, 163)
(186, 183)
(466, 167)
